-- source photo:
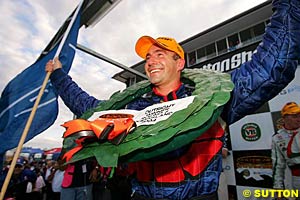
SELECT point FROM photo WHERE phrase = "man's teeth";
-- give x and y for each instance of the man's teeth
(155, 70)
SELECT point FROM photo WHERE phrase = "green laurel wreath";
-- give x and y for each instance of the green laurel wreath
(212, 91)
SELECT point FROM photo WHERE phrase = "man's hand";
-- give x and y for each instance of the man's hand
(53, 65)
(224, 152)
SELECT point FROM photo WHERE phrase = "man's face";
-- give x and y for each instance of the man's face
(161, 67)
(18, 169)
(292, 122)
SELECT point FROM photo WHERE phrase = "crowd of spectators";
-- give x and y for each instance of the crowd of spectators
(52, 180)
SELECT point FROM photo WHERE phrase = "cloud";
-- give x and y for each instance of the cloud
(28, 26)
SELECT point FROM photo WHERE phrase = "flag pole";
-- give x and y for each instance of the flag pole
(35, 106)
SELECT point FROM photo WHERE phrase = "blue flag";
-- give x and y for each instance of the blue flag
(19, 95)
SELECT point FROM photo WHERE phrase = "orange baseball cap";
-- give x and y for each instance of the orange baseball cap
(290, 108)
(144, 43)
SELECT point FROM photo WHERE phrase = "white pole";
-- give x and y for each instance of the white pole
(68, 30)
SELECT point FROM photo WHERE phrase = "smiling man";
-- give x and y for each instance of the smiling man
(192, 170)
(164, 62)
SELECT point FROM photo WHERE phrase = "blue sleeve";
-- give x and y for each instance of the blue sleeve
(272, 67)
(77, 100)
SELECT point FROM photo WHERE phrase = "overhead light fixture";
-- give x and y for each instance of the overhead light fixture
(100, 8)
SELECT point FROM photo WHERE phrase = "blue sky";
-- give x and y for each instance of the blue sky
(27, 26)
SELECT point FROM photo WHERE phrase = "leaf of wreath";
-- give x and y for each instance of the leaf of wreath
(212, 91)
